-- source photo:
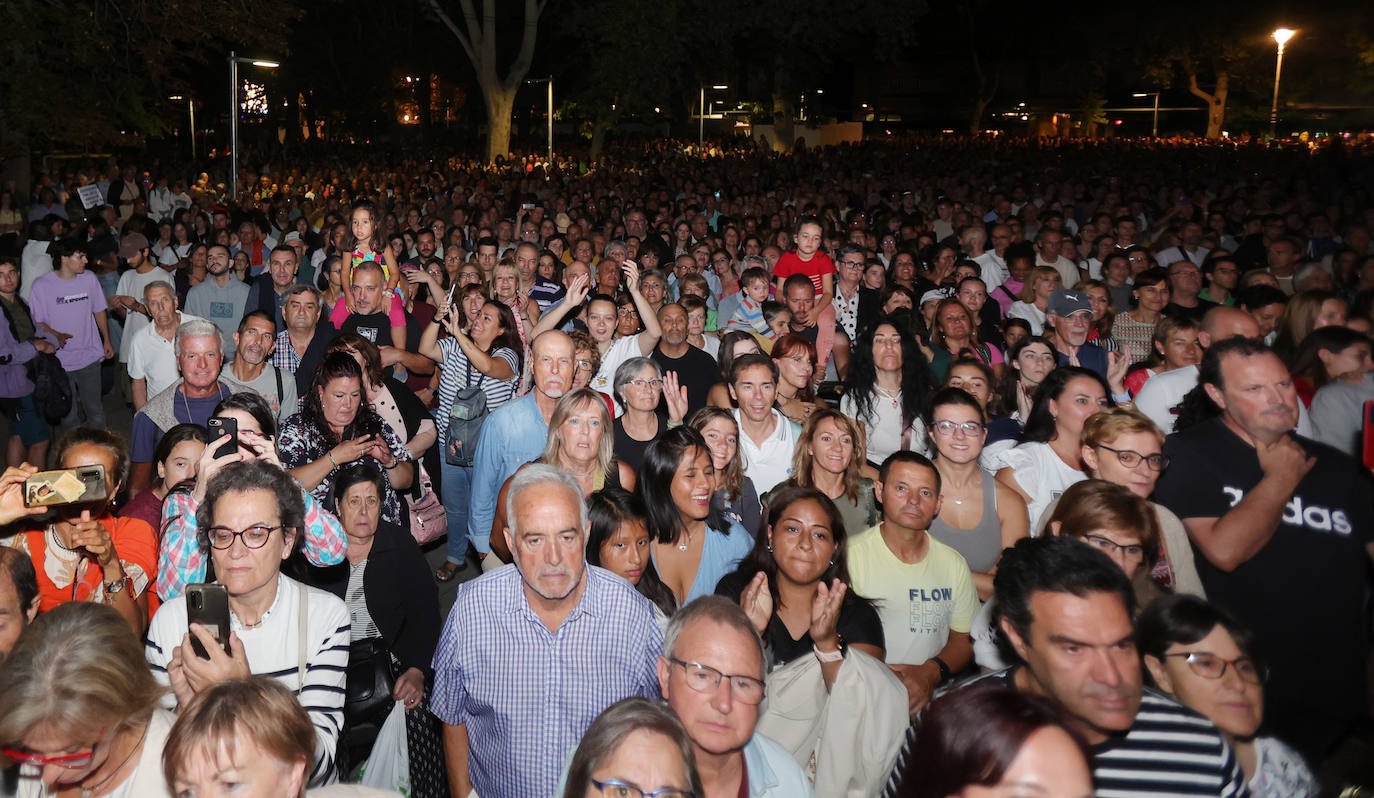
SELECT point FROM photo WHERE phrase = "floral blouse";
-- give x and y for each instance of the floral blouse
(300, 443)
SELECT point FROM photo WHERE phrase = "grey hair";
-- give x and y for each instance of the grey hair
(542, 474)
(158, 284)
(195, 328)
(627, 371)
(616, 244)
(617, 722)
(658, 273)
(717, 609)
(753, 260)
(1309, 270)
(302, 288)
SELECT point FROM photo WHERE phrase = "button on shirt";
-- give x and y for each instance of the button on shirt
(527, 694)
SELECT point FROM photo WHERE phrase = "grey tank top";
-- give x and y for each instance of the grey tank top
(982, 545)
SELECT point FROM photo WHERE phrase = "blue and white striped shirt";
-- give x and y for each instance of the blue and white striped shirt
(527, 694)
(459, 374)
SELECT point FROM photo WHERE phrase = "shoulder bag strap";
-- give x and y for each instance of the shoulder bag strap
(304, 605)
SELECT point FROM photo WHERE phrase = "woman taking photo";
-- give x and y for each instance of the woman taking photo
(579, 443)
(735, 497)
(794, 584)
(1136, 327)
(1202, 656)
(337, 427)
(394, 620)
(796, 359)
(886, 392)
(692, 546)
(84, 553)
(829, 458)
(618, 540)
(1049, 459)
(252, 518)
(81, 708)
(978, 516)
(956, 336)
(639, 385)
(1034, 300)
(487, 356)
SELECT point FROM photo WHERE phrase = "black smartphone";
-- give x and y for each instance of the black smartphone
(208, 605)
(224, 426)
(66, 486)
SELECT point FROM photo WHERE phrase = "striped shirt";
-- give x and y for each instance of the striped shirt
(527, 694)
(1169, 752)
(459, 373)
(273, 649)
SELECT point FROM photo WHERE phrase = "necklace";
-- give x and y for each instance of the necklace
(685, 543)
(52, 532)
(892, 396)
(87, 792)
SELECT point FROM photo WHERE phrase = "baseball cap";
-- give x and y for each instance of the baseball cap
(132, 244)
(291, 236)
(1066, 303)
(562, 221)
(935, 294)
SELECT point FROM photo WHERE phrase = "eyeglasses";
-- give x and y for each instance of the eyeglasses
(254, 537)
(705, 679)
(615, 788)
(1107, 546)
(947, 427)
(628, 312)
(1131, 459)
(66, 761)
(584, 365)
(656, 383)
(1210, 666)
(852, 264)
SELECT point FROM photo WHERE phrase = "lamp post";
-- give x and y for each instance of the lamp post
(191, 109)
(1154, 126)
(234, 61)
(701, 113)
(1282, 35)
(548, 80)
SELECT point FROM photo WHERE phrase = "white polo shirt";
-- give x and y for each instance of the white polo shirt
(153, 358)
(771, 463)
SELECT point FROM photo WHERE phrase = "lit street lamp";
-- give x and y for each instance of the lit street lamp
(234, 61)
(1154, 127)
(701, 114)
(1282, 35)
(548, 171)
(190, 107)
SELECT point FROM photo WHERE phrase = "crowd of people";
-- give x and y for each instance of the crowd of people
(915, 467)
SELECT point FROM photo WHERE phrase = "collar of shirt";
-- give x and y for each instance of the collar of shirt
(589, 603)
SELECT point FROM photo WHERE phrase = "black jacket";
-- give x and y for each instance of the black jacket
(401, 595)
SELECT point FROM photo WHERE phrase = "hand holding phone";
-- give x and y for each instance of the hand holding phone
(208, 605)
(219, 426)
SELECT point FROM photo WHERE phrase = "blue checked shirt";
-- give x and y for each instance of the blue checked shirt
(284, 357)
(528, 694)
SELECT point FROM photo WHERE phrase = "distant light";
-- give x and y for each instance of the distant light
(1282, 35)
(1116, 121)
(1140, 94)
(406, 118)
(266, 64)
(176, 97)
(1025, 118)
(657, 110)
(1020, 105)
(863, 105)
(720, 87)
(820, 91)
(888, 132)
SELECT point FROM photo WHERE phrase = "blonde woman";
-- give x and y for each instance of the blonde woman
(1034, 299)
(829, 458)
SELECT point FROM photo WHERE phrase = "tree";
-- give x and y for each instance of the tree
(478, 39)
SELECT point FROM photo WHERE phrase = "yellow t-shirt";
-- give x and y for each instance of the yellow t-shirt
(919, 603)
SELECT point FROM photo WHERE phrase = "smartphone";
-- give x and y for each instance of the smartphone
(66, 486)
(527, 206)
(224, 426)
(1368, 435)
(208, 605)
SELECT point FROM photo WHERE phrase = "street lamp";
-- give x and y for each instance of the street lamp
(1154, 127)
(234, 61)
(548, 80)
(1282, 35)
(191, 108)
(701, 113)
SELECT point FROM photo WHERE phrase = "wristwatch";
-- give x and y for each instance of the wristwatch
(119, 585)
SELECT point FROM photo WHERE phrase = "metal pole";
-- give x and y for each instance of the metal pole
(1274, 107)
(1154, 128)
(191, 105)
(233, 125)
(550, 166)
(701, 119)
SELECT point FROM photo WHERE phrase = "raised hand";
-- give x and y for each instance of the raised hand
(757, 602)
(825, 612)
(675, 397)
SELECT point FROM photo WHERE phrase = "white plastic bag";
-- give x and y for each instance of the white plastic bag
(388, 767)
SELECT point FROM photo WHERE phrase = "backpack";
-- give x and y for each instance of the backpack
(465, 417)
(52, 390)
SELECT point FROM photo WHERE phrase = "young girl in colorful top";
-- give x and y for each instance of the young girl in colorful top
(369, 244)
(807, 259)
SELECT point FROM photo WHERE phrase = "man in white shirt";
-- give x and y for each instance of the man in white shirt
(1047, 246)
(993, 262)
(152, 353)
(1189, 247)
(767, 437)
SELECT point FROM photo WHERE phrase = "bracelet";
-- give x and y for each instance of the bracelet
(393, 465)
(828, 656)
(330, 455)
(944, 669)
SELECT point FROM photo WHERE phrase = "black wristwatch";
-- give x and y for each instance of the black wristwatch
(944, 669)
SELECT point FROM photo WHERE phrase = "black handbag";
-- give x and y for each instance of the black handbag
(367, 700)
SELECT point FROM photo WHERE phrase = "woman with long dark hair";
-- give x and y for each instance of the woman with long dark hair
(735, 496)
(618, 540)
(693, 546)
(1048, 459)
(794, 584)
(886, 392)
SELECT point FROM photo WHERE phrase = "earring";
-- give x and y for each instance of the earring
(832, 561)
(770, 548)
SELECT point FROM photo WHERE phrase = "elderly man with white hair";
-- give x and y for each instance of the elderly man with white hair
(199, 351)
(533, 651)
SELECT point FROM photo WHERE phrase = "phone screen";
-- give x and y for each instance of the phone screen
(224, 426)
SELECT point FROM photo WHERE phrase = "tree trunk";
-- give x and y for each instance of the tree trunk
(784, 130)
(499, 101)
(1216, 102)
(599, 128)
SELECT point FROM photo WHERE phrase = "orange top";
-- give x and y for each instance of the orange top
(66, 575)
